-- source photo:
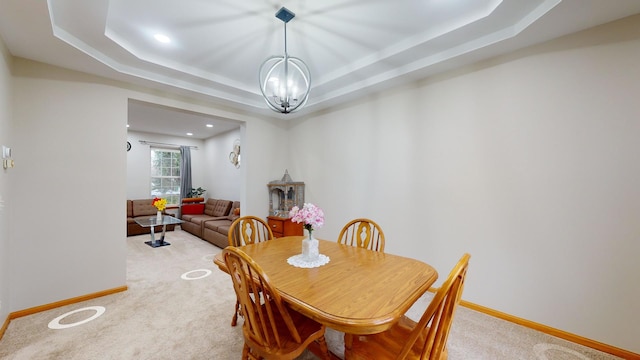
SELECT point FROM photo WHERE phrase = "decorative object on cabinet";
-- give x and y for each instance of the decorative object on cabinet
(281, 226)
(284, 194)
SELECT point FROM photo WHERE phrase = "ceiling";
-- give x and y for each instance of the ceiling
(158, 119)
(352, 47)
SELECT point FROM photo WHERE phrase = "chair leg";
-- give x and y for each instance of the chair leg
(322, 343)
(234, 320)
(348, 343)
(245, 352)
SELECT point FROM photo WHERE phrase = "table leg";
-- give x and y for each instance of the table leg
(153, 235)
(164, 230)
(153, 243)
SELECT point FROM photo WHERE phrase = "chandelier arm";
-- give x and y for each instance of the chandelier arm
(304, 72)
(307, 80)
(263, 84)
(264, 81)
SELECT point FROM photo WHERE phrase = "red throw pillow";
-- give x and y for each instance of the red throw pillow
(192, 209)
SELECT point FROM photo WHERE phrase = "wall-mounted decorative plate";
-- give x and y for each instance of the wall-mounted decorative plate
(234, 156)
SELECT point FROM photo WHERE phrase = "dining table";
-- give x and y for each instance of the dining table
(358, 292)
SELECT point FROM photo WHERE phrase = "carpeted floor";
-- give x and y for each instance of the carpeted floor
(179, 306)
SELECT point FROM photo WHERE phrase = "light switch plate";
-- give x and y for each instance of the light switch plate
(6, 152)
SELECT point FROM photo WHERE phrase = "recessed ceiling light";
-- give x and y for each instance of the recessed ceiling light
(127, 125)
(189, 134)
(162, 38)
(209, 125)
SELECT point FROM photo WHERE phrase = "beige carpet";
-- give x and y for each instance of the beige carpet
(163, 316)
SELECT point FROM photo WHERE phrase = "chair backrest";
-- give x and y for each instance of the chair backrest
(364, 233)
(434, 325)
(247, 230)
(267, 321)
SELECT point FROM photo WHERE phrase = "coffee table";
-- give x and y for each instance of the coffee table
(152, 222)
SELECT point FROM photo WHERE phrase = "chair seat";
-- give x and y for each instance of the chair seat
(308, 329)
(388, 345)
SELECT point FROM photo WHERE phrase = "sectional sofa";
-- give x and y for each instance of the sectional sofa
(210, 220)
(141, 208)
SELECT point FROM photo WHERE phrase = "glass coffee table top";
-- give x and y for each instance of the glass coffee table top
(153, 221)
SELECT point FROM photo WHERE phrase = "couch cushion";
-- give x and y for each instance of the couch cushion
(217, 208)
(199, 219)
(188, 217)
(143, 207)
(222, 208)
(209, 205)
(224, 228)
(216, 224)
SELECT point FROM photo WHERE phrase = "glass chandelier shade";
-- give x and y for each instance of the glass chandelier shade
(285, 80)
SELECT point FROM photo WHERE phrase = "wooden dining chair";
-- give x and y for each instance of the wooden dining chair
(247, 230)
(364, 233)
(426, 339)
(271, 329)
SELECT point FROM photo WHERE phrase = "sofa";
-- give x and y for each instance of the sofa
(210, 220)
(142, 208)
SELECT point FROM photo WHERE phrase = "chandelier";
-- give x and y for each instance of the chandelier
(285, 80)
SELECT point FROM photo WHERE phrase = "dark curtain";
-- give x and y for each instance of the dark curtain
(185, 173)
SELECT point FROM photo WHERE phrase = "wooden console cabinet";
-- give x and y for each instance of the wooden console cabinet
(284, 227)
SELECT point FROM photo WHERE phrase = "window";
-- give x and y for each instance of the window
(165, 174)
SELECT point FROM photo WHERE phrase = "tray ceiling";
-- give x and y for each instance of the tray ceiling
(352, 48)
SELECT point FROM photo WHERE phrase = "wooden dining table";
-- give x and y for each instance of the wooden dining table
(358, 292)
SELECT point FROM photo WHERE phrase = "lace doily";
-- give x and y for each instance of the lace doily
(299, 261)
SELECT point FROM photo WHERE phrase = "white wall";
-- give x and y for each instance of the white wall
(222, 179)
(69, 132)
(529, 163)
(139, 161)
(6, 139)
(68, 230)
(265, 146)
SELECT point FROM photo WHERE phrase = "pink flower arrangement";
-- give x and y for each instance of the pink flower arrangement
(310, 215)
